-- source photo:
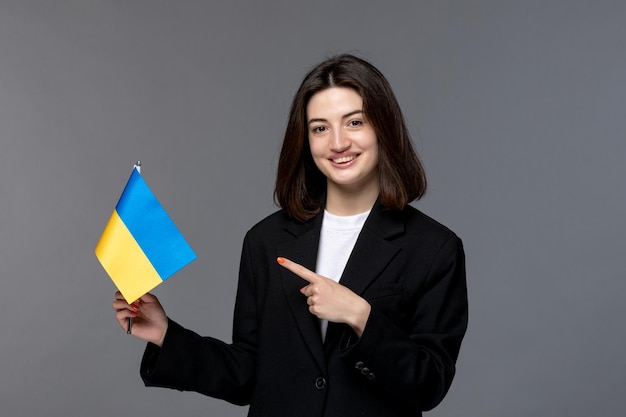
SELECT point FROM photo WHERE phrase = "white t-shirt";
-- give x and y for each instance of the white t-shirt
(337, 239)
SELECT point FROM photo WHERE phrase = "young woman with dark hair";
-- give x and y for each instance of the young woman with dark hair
(300, 186)
(350, 301)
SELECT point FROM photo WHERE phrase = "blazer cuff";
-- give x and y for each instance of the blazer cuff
(350, 341)
(158, 364)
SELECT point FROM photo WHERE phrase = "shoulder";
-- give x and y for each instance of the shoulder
(275, 221)
(421, 226)
(418, 220)
(430, 244)
(276, 230)
(278, 225)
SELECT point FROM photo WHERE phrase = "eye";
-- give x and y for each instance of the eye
(318, 129)
(355, 123)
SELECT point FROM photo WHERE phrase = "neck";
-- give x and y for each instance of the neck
(344, 201)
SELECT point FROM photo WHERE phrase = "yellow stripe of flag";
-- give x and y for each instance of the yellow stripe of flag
(124, 261)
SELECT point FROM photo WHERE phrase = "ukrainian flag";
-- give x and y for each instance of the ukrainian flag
(140, 246)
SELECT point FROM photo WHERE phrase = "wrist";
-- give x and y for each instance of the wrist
(361, 315)
(161, 337)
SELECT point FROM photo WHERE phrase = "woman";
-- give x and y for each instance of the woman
(349, 302)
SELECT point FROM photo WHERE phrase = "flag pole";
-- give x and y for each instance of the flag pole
(129, 324)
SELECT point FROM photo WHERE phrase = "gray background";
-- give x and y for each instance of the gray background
(517, 108)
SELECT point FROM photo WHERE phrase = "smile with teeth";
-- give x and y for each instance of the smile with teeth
(344, 159)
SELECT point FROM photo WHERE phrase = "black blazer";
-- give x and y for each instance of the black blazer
(410, 269)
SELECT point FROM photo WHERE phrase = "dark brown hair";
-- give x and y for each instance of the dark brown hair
(300, 186)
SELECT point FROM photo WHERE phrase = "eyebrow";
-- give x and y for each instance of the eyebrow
(345, 116)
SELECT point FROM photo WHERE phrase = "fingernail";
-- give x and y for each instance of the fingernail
(280, 260)
(135, 307)
(134, 313)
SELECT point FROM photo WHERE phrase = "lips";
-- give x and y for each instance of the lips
(344, 159)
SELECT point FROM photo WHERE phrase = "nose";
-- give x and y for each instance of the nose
(339, 141)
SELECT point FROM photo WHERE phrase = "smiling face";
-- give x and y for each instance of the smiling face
(342, 141)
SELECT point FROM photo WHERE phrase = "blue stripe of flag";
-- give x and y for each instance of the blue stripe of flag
(153, 229)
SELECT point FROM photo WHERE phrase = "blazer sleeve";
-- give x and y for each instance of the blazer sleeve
(417, 366)
(189, 362)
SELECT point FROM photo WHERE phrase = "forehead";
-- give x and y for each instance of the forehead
(334, 101)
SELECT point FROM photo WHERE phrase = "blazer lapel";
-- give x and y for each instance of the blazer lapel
(303, 250)
(373, 250)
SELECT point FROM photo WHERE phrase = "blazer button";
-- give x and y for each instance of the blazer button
(359, 365)
(365, 371)
(320, 382)
(370, 376)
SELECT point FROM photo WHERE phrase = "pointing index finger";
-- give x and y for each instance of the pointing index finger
(299, 270)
